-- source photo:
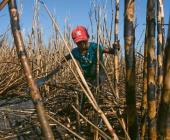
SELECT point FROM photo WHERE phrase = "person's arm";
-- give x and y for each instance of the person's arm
(60, 66)
(108, 50)
(42, 80)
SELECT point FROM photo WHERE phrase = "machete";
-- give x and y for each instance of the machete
(41, 81)
(44, 79)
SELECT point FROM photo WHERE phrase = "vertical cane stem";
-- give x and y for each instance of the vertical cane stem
(24, 61)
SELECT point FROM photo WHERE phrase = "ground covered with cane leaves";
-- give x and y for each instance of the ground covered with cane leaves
(61, 95)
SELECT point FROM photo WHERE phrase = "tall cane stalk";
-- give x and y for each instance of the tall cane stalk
(160, 41)
(130, 69)
(116, 55)
(145, 88)
(151, 86)
(37, 100)
(97, 70)
(164, 108)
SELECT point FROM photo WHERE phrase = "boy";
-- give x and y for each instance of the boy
(86, 54)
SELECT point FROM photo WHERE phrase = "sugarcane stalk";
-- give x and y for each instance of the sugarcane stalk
(132, 125)
(36, 98)
(144, 95)
(151, 86)
(116, 55)
(3, 3)
(105, 136)
(34, 24)
(112, 21)
(96, 133)
(69, 130)
(119, 113)
(164, 107)
(160, 39)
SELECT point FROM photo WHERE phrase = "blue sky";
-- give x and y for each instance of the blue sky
(77, 13)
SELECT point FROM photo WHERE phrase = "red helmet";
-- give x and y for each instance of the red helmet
(80, 34)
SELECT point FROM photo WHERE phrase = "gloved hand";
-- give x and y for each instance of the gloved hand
(116, 45)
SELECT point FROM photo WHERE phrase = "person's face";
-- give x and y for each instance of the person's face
(83, 45)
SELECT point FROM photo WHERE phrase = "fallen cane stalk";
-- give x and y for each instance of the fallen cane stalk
(72, 132)
(104, 135)
(122, 123)
(8, 83)
(95, 105)
(111, 85)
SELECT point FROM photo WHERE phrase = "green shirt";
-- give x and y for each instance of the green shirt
(89, 60)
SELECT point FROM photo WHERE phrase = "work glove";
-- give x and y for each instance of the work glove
(116, 45)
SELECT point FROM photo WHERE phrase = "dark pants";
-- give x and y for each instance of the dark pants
(92, 83)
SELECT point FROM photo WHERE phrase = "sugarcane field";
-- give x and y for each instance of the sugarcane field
(84, 70)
